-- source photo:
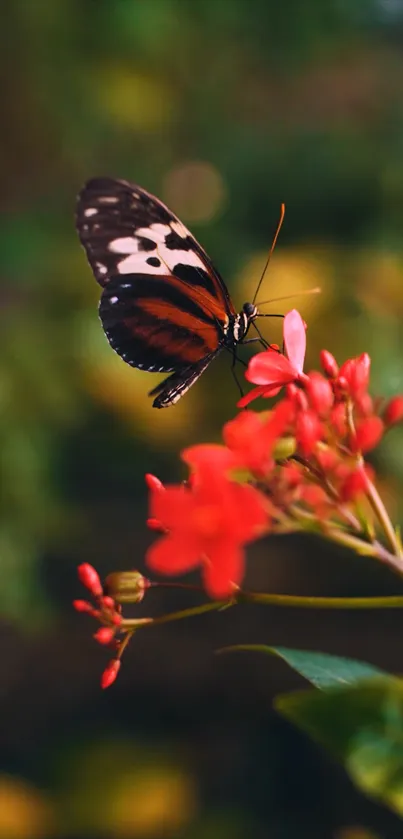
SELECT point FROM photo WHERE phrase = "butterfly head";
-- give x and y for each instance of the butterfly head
(250, 310)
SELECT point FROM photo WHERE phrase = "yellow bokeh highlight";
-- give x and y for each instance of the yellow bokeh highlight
(133, 100)
(378, 282)
(195, 189)
(24, 811)
(290, 272)
(124, 389)
(355, 832)
(159, 802)
(120, 789)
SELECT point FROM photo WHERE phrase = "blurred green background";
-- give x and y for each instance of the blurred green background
(223, 108)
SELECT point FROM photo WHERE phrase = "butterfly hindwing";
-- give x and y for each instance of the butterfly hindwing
(156, 328)
(174, 387)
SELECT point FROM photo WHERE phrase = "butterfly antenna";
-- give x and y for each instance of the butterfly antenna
(316, 290)
(281, 219)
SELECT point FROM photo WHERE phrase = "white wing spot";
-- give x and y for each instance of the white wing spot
(137, 263)
(155, 232)
(102, 269)
(114, 299)
(92, 211)
(128, 244)
(108, 199)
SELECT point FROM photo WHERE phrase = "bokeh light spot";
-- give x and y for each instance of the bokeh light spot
(196, 189)
(134, 100)
(24, 813)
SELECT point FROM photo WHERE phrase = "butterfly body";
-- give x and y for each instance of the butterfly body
(164, 308)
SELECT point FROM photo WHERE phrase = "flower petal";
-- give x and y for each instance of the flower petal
(223, 569)
(212, 456)
(171, 556)
(172, 507)
(270, 368)
(251, 396)
(295, 339)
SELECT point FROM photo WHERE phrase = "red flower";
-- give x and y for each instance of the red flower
(208, 525)
(209, 460)
(252, 437)
(271, 370)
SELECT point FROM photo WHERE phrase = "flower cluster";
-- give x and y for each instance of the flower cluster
(107, 611)
(299, 466)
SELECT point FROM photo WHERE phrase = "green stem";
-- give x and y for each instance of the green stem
(297, 602)
(348, 540)
(283, 600)
(211, 606)
(381, 512)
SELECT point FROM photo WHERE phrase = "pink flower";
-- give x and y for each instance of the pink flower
(271, 370)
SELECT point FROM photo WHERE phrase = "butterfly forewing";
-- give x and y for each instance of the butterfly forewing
(163, 307)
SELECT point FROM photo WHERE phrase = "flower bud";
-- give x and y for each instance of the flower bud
(308, 430)
(364, 404)
(320, 393)
(126, 586)
(354, 484)
(104, 635)
(394, 411)
(327, 458)
(83, 606)
(284, 448)
(110, 673)
(107, 602)
(338, 419)
(356, 372)
(154, 483)
(89, 577)
(368, 434)
(329, 364)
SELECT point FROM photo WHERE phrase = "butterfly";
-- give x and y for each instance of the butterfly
(164, 307)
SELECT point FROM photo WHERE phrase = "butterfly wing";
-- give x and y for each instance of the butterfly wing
(163, 307)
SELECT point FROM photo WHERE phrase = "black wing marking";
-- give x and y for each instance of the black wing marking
(125, 230)
(174, 387)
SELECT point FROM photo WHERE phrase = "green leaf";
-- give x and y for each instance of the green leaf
(362, 726)
(322, 670)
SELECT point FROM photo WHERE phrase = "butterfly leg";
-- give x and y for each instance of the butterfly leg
(233, 371)
(259, 333)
